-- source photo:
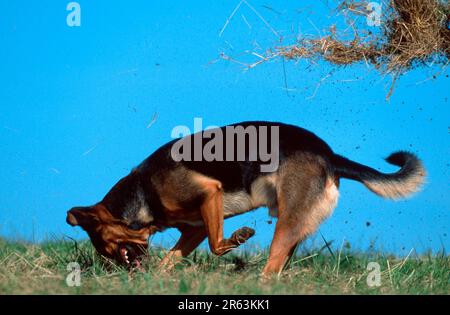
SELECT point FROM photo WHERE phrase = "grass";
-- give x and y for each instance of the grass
(42, 269)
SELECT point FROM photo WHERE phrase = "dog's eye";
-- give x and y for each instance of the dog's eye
(135, 226)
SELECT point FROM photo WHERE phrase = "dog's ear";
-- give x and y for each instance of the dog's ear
(81, 216)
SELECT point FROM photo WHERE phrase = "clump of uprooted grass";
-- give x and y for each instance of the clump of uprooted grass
(415, 32)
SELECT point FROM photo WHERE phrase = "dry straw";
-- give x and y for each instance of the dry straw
(414, 33)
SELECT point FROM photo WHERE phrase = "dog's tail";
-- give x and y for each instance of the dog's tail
(407, 180)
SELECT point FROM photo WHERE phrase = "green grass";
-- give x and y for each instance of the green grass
(41, 269)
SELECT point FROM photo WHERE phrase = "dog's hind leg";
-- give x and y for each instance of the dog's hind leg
(213, 217)
(306, 196)
(190, 238)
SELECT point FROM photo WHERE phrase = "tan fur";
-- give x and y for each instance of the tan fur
(108, 232)
(307, 195)
(144, 216)
(212, 213)
(323, 207)
(190, 238)
(236, 203)
(262, 193)
(395, 189)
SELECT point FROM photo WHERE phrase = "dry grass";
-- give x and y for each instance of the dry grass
(42, 269)
(417, 33)
(331, 49)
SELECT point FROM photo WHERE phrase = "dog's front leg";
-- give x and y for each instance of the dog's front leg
(190, 238)
(212, 214)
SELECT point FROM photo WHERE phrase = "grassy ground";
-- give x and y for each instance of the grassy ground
(42, 269)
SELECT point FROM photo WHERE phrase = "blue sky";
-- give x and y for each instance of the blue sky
(76, 103)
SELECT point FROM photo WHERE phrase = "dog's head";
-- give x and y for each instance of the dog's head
(110, 236)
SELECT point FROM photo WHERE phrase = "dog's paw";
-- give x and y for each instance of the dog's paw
(243, 234)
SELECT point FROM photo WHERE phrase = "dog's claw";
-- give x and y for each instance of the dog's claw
(243, 234)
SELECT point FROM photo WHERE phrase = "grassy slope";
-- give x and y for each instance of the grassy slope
(41, 269)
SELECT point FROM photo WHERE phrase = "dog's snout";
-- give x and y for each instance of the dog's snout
(71, 219)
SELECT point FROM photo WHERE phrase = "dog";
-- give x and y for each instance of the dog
(196, 195)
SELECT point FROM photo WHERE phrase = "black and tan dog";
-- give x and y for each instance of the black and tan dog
(196, 196)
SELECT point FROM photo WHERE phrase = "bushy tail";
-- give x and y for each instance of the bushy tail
(400, 184)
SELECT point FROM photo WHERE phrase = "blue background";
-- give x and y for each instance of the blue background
(76, 103)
